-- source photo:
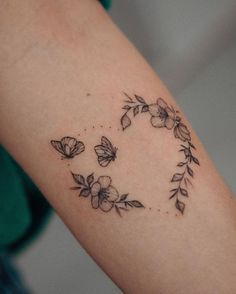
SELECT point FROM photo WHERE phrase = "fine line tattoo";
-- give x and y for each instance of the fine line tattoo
(106, 152)
(69, 147)
(163, 115)
(103, 195)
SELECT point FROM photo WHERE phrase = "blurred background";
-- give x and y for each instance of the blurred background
(192, 46)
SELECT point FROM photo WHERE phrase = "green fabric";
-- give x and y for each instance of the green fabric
(23, 209)
(14, 211)
(106, 3)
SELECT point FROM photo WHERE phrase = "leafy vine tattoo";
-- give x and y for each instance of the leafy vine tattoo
(103, 194)
(163, 115)
(69, 147)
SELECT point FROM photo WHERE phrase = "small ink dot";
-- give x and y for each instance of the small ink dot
(109, 127)
(101, 126)
(167, 212)
(150, 208)
(88, 94)
(93, 127)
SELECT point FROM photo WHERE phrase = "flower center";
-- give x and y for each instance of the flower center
(163, 113)
(102, 193)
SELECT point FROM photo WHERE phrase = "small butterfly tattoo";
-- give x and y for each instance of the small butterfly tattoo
(106, 152)
(69, 147)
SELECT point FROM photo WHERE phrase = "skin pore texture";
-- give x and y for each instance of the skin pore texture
(102, 137)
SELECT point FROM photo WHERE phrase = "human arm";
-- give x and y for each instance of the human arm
(50, 61)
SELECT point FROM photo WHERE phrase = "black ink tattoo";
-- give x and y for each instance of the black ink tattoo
(69, 147)
(106, 152)
(164, 115)
(183, 179)
(103, 195)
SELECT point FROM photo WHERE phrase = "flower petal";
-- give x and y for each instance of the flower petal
(161, 103)
(105, 205)
(96, 187)
(95, 201)
(157, 122)
(104, 181)
(112, 194)
(169, 123)
(153, 109)
(170, 112)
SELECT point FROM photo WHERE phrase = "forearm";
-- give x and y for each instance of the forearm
(64, 71)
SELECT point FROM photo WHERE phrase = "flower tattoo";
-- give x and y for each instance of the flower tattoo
(103, 194)
(161, 114)
(165, 116)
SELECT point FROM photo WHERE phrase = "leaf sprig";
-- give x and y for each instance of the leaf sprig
(135, 105)
(84, 185)
(183, 179)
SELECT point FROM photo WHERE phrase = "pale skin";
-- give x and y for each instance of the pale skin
(52, 54)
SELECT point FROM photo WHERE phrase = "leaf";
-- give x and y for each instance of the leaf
(195, 160)
(127, 96)
(185, 182)
(181, 150)
(181, 164)
(126, 107)
(136, 110)
(180, 206)
(125, 121)
(190, 144)
(123, 197)
(144, 108)
(123, 208)
(185, 147)
(117, 210)
(140, 99)
(127, 203)
(187, 179)
(75, 188)
(177, 177)
(184, 192)
(90, 179)
(84, 192)
(175, 192)
(190, 171)
(173, 189)
(79, 179)
(136, 203)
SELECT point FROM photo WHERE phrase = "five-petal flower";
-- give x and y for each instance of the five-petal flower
(161, 114)
(103, 194)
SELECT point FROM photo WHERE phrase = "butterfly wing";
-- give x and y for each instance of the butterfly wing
(105, 155)
(106, 143)
(103, 161)
(78, 148)
(58, 146)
